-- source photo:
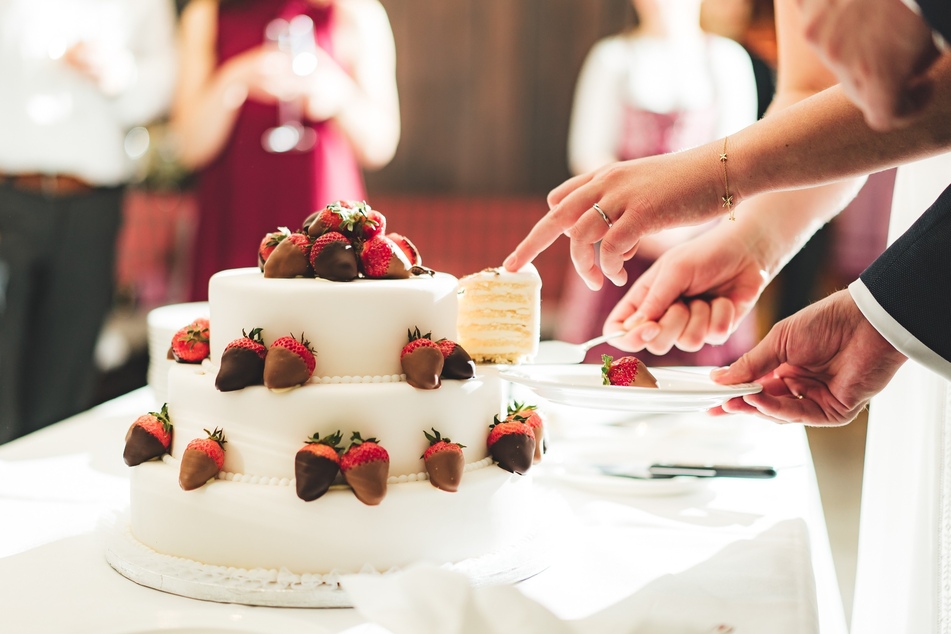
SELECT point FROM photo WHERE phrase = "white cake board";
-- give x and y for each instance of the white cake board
(273, 588)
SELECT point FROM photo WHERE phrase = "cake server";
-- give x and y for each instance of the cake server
(554, 352)
(660, 471)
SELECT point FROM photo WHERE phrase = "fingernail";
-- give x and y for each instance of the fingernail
(650, 332)
(719, 372)
(633, 320)
(509, 261)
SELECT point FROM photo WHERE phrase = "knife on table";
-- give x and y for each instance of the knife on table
(657, 471)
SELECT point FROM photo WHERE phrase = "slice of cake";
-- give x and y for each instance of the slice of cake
(500, 315)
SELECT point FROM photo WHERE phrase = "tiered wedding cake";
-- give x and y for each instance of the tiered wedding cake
(249, 512)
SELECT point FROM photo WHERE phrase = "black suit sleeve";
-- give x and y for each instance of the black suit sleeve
(937, 13)
(911, 280)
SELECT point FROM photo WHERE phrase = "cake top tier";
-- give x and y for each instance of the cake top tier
(356, 328)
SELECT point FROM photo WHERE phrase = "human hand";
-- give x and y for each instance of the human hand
(267, 74)
(880, 51)
(639, 197)
(819, 366)
(695, 293)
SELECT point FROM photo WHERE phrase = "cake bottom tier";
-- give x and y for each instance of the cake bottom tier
(244, 525)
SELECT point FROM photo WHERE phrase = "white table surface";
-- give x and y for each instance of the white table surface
(627, 543)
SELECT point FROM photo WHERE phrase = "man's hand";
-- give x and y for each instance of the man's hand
(819, 366)
(695, 293)
(880, 50)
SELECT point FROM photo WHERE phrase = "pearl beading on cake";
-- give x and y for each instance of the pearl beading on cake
(386, 378)
(401, 479)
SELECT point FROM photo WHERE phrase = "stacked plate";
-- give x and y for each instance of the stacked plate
(164, 322)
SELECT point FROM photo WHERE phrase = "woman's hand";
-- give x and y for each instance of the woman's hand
(638, 198)
(694, 294)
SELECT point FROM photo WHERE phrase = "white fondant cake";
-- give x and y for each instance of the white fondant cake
(249, 515)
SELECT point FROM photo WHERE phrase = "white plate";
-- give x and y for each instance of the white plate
(678, 389)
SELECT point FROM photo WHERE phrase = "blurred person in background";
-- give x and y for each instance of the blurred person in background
(76, 76)
(660, 87)
(279, 107)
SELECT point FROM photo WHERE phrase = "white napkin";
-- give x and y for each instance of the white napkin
(763, 584)
(426, 599)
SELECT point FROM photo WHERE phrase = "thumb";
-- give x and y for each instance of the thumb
(765, 357)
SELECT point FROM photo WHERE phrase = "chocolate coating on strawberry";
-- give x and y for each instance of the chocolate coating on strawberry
(148, 437)
(202, 460)
(365, 467)
(268, 243)
(242, 363)
(529, 415)
(457, 364)
(407, 247)
(289, 362)
(512, 446)
(332, 258)
(316, 466)
(423, 367)
(290, 259)
(444, 462)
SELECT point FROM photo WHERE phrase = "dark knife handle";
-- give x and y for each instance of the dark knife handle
(711, 471)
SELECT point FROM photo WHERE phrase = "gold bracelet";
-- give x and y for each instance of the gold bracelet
(727, 198)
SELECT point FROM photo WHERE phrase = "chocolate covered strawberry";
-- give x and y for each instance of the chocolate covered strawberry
(344, 216)
(422, 361)
(457, 364)
(512, 444)
(381, 258)
(374, 223)
(316, 465)
(289, 362)
(332, 257)
(149, 437)
(242, 362)
(529, 415)
(444, 461)
(269, 242)
(290, 258)
(366, 466)
(626, 371)
(407, 247)
(190, 344)
(202, 460)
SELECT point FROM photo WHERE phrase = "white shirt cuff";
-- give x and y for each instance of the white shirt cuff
(896, 334)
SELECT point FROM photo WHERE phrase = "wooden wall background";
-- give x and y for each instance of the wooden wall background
(486, 89)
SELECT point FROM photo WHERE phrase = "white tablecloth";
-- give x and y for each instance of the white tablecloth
(750, 554)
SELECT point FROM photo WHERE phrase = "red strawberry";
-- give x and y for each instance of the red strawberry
(343, 216)
(332, 257)
(149, 437)
(381, 258)
(626, 371)
(444, 461)
(365, 466)
(242, 362)
(290, 258)
(190, 344)
(529, 415)
(316, 465)
(202, 460)
(289, 362)
(512, 444)
(374, 224)
(422, 361)
(457, 362)
(407, 247)
(269, 242)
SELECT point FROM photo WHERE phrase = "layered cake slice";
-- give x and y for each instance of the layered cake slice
(499, 315)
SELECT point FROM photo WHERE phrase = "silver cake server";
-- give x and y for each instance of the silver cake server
(561, 352)
(661, 471)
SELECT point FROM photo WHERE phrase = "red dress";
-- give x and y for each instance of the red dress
(247, 191)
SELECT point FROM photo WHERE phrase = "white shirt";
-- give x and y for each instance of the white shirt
(55, 120)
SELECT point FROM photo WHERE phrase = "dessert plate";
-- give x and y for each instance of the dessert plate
(678, 389)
